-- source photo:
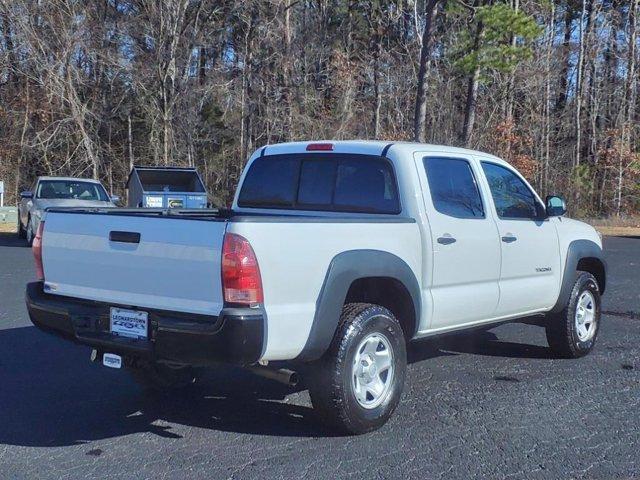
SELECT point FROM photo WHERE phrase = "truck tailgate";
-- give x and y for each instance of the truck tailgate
(174, 266)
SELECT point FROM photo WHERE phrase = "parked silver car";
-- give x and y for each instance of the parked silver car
(58, 192)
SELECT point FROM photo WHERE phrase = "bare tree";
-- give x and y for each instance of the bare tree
(90, 88)
(425, 55)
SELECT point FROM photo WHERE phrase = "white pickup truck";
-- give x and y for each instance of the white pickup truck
(333, 256)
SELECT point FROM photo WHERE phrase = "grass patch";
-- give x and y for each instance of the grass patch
(619, 231)
(616, 226)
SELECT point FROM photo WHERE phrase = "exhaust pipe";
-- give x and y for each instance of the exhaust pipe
(95, 356)
(283, 375)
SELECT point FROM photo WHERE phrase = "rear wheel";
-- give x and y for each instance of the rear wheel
(30, 233)
(358, 383)
(572, 332)
(161, 377)
(21, 231)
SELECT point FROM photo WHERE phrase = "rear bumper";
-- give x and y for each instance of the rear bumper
(235, 336)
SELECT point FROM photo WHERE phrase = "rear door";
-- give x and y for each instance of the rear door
(529, 276)
(466, 251)
(141, 261)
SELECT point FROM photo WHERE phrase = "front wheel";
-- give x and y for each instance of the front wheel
(358, 383)
(572, 332)
(30, 233)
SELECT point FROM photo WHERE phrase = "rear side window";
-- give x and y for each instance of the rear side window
(453, 187)
(324, 182)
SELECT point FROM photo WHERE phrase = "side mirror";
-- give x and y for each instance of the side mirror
(556, 206)
(26, 194)
(115, 199)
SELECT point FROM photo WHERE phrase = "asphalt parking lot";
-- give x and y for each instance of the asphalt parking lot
(490, 405)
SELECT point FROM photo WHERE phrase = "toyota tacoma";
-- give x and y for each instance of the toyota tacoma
(333, 256)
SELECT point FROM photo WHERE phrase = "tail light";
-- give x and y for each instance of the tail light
(320, 147)
(241, 281)
(36, 247)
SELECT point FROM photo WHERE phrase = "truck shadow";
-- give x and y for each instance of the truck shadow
(487, 343)
(11, 239)
(51, 395)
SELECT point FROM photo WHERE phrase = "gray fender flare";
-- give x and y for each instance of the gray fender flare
(344, 269)
(578, 249)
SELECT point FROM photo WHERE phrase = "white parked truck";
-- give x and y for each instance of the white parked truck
(334, 255)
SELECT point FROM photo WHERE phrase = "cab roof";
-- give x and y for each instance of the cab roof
(368, 147)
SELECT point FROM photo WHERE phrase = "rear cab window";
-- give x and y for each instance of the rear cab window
(321, 182)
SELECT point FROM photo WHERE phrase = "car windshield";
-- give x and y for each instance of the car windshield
(71, 189)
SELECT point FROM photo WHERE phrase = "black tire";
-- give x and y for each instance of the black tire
(561, 328)
(29, 233)
(158, 377)
(332, 387)
(22, 233)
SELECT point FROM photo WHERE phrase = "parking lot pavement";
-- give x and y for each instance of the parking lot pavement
(489, 405)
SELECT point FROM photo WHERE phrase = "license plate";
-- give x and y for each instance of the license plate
(129, 323)
(112, 360)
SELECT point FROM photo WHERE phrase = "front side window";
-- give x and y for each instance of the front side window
(324, 182)
(71, 189)
(454, 191)
(512, 197)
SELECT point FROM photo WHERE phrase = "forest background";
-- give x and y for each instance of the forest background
(90, 88)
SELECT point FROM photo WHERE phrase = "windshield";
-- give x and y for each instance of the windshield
(71, 189)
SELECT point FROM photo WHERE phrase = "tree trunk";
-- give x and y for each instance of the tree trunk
(472, 92)
(78, 113)
(425, 54)
(130, 142)
(287, 75)
(8, 41)
(165, 128)
(547, 102)
(515, 4)
(470, 107)
(563, 93)
(579, 80)
(376, 87)
(23, 134)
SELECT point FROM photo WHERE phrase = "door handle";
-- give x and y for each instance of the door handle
(446, 239)
(509, 238)
(124, 237)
